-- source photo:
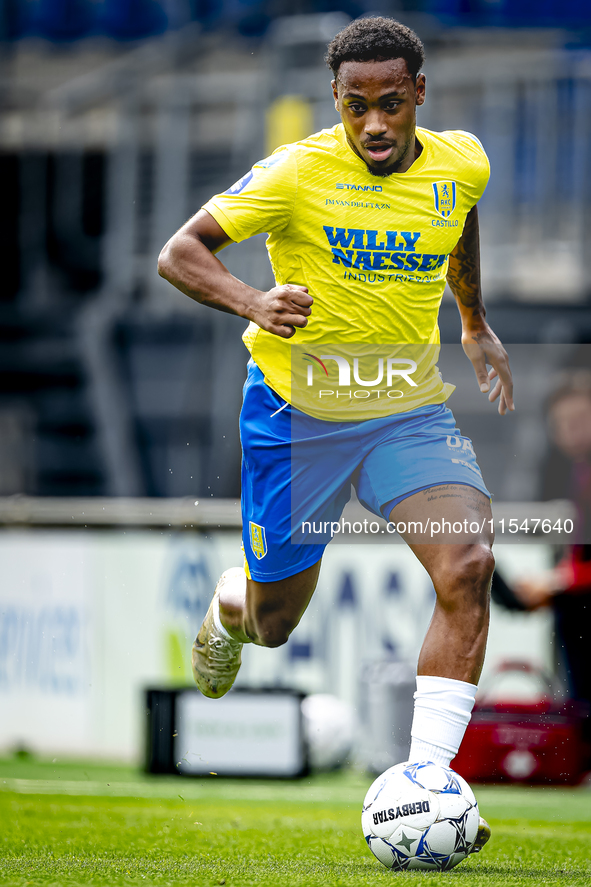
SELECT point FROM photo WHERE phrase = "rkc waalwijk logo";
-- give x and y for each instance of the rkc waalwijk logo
(258, 540)
(445, 197)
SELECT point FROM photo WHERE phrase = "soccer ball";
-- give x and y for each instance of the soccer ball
(329, 728)
(420, 816)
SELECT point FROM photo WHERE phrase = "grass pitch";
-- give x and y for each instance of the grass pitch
(76, 824)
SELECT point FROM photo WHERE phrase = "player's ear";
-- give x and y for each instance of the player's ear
(420, 89)
(335, 93)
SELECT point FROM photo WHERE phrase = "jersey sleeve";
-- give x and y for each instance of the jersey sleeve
(262, 201)
(475, 161)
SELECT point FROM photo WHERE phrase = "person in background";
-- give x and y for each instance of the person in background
(566, 474)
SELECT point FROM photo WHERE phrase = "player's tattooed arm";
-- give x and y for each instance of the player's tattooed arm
(479, 341)
(188, 261)
(463, 275)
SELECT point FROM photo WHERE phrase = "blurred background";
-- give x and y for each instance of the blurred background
(119, 397)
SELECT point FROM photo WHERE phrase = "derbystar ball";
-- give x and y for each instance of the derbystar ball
(420, 816)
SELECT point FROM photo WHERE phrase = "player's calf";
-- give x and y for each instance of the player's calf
(453, 650)
(273, 609)
(462, 584)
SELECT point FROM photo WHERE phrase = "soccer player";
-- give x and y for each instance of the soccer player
(365, 223)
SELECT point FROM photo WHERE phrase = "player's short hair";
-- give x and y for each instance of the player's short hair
(376, 39)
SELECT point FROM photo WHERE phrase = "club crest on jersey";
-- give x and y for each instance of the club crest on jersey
(258, 540)
(445, 197)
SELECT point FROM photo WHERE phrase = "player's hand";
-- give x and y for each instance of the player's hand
(282, 309)
(537, 591)
(483, 347)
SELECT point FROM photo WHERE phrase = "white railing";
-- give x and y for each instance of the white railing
(514, 521)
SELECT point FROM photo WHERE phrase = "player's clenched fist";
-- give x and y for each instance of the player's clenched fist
(282, 309)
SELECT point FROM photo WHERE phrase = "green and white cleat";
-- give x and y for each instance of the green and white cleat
(482, 836)
(216, 657)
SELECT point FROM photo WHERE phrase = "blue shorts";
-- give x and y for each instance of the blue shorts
(296, 468)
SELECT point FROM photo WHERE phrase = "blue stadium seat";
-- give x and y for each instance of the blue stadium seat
(59, 20)
(132, 19)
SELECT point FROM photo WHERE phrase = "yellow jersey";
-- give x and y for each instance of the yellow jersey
(373, 252)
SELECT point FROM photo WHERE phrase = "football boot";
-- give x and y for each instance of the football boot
(216, 658)
(482, 836)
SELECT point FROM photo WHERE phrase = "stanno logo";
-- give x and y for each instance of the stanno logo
(445, 198)
(241, 184)
(267, 163)
(348, 187)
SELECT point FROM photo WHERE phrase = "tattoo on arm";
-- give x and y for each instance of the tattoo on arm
(463, 275)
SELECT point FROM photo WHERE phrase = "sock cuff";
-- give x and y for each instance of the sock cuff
(218, 622)
(435, 684)
(445, 694)
(442, 711)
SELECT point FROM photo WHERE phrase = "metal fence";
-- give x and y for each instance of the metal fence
(172, 139)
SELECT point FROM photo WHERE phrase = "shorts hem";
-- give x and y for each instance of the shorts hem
(288, 571)
(438, 483)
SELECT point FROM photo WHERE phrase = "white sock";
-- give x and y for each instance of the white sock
(218, 622)
(442, 712)
(236, 574)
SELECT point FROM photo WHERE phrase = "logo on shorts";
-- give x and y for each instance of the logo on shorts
(445, 198)
(455, 442)
(258, 540)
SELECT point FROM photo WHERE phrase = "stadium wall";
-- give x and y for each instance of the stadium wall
(91, 617)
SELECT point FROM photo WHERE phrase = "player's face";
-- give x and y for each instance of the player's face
(570, 423)
(377, 102)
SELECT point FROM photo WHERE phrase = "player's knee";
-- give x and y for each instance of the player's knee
(272, 631)
(478, 565)
(467, 578)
